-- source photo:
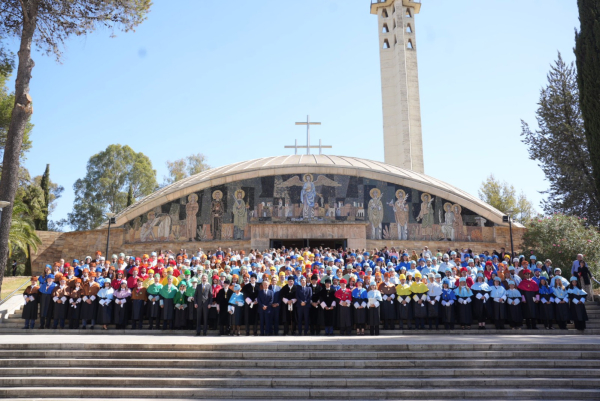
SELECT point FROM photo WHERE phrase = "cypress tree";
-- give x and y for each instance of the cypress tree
(587, 52)
(42, 223)
(129, 196)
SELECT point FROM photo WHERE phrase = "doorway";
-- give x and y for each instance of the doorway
(333, 243)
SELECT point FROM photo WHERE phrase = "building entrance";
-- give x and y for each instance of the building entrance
(333, 243)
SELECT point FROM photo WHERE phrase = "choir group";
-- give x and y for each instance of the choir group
(304, 292)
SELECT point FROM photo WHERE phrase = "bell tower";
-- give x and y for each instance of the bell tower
(402, 138)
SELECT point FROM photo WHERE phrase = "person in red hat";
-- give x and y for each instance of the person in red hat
(530, 299)
(464, 272)
(116, 283)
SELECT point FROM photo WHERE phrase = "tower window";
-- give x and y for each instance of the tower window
(385, 29)
(408, 14)
(394, 24)
(384, 13)
(386, 44)
(395, 40)
(408, 28)
(409, 45)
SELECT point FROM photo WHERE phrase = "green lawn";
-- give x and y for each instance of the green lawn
(12, 283)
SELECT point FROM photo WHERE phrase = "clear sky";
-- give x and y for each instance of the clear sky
(230, 78)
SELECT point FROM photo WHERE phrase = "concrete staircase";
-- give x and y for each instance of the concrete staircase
(303, 369)
(14, 322)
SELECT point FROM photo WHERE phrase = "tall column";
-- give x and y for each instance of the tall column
(402, 138)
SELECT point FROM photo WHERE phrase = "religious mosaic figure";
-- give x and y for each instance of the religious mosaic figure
(309, 191)
(240, 214)
(426, 215)
(458, 222)
(400, 209)
(162, 221)
(375, 212)
(447, 225)
(217, 211)
(191, 210)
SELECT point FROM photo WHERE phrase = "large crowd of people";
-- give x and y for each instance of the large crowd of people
(309, 292)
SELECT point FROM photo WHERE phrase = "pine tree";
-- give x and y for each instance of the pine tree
(587, 52)
(560, 147)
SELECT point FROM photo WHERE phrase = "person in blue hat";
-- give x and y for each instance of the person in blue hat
(236, 310)
(464, 297)
(513, 308)
(105, 297)
(561, 300)
(546, 303)
(46, 302)
(359, 300)
(498, 296)
(447, 300)
(577, 298)
(481, 298)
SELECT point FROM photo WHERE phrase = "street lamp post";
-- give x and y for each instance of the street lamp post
(509, 218)
(111, 219)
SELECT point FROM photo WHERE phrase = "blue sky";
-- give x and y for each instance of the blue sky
(229, 79)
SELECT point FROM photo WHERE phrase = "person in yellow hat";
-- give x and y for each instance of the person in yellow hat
(419, 291)
(404, 298)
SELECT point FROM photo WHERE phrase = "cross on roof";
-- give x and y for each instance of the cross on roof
(308, 146)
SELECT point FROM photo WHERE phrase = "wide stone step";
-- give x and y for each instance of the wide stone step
(328, 364)
(295, 355)
(504, 392)
(267, 382)
(17, 329)
(33, 372)
(269, 346)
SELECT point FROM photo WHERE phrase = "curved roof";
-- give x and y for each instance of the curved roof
(298, 164)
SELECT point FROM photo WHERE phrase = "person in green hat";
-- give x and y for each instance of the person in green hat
(180, 301)
(154, 310)
(186, 278)
(167, 293)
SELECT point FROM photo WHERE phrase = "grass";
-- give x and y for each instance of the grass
(9, 284)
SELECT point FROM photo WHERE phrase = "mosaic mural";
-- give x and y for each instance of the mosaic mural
(226, 212)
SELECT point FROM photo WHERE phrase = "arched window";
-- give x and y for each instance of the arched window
(409, 45)
(384, 13)
(386, 44)
(408, 28)
(385, 29)
(408, 13)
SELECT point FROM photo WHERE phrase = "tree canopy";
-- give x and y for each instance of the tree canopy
(110, 174)
(503, 197)
(185, 167)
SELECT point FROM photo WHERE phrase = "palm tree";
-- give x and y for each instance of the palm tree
(22, 230)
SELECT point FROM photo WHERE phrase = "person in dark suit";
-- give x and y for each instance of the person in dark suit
(222, 307)
(276, 302)
(288, 303)
(315, 309)
(327, 301)
(303, 297)
(265, 308)
(250, 292)
(202, 299)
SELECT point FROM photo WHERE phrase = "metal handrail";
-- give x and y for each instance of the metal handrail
(13, 293)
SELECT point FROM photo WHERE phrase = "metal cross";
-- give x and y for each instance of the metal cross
(308, 146)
